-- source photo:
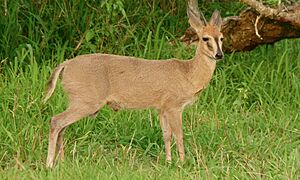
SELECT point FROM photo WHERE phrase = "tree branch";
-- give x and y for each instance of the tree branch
(255, 26)
(292, 16)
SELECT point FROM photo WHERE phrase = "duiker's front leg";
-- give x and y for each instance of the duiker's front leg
(167, 134)
(174, 117)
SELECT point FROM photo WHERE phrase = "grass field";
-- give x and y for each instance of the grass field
(245, 125)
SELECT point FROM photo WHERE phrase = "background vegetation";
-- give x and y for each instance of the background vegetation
(244, 125)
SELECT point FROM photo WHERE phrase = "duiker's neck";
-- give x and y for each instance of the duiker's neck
(201, 68)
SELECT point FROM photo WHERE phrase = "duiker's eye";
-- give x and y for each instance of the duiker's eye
(221, 39)
(205, 39)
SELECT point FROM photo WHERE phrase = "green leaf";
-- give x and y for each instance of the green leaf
(89, 35)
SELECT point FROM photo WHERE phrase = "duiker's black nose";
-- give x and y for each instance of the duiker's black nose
(219, 55)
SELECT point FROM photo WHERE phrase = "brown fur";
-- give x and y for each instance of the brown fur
(94, 80)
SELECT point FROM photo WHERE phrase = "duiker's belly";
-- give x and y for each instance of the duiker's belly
(148, 100)
(120, 101)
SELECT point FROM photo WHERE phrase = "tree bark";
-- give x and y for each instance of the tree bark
(255, 26)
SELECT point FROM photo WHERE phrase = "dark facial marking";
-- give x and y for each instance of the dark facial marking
(218, 46)
(209, 45)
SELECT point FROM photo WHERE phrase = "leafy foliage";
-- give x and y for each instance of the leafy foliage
(244, 125)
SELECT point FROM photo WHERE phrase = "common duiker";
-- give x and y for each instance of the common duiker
(94, 80)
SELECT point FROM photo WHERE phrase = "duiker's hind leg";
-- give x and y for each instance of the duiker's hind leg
(75, 112)
(60, 140)
(60, 144)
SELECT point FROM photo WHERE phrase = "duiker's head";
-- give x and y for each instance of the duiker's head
(209, 33)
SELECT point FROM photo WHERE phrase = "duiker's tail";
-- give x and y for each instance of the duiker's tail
(52, 81)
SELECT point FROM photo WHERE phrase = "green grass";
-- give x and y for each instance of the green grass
(245, 125)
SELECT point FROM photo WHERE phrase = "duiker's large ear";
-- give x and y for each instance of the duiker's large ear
(216, 19)
(194, 16)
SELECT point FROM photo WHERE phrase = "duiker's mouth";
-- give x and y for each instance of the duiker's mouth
(216, 59)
